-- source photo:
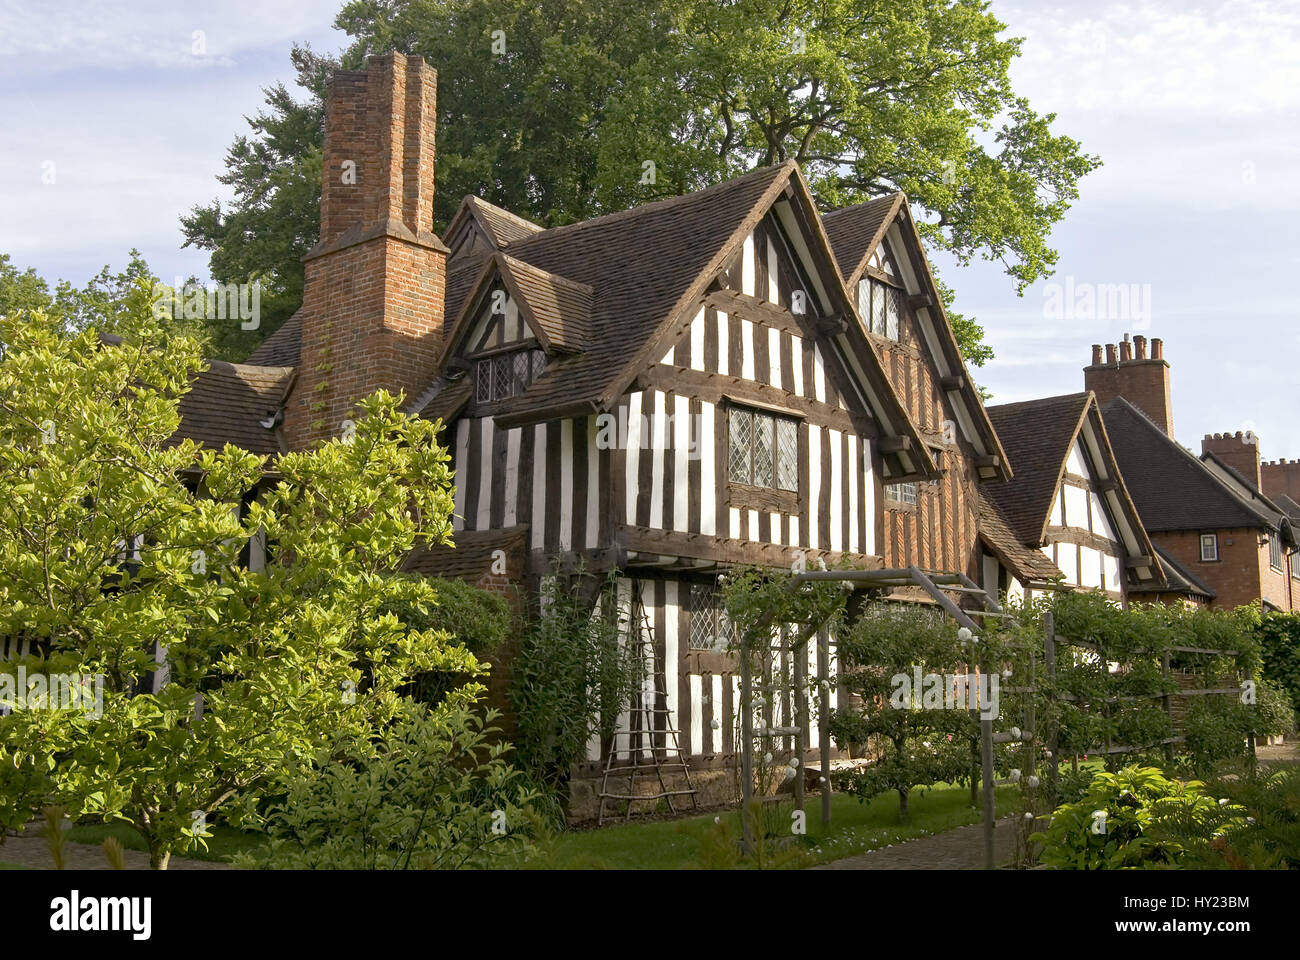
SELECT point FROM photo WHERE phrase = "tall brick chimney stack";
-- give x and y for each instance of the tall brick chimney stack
(1142, 380)
(1238, 450)
(373, 301)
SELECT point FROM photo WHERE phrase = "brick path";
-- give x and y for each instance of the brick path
(959, 849)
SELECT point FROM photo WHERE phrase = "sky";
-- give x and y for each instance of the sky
(118, 116)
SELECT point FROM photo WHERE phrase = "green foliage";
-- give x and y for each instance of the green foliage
(108, 555)
(1267, 837)
(1279, 639)
(574, 672)
(1132, 819)
(1216, 729)
(721, 849)
(107, 301)
(429, 792)
(481, 620)
(869, 97)
(919, 744)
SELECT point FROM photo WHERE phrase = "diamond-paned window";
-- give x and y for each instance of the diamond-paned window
(901, 492)
(710, 627)
(787, 455)
(507, 375)
(762, 449)
(881, 306)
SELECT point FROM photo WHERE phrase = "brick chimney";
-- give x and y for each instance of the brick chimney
(1238, 450)
(1279, 477)
(1140, 379)
(372, 310)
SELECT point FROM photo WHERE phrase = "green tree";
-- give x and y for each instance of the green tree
(112, 551)
(870, 96)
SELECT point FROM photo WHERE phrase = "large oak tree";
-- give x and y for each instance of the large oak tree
(554, 110)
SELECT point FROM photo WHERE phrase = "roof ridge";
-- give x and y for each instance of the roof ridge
(891, 196)
(652, 206)
(578, 285)
(522, 221)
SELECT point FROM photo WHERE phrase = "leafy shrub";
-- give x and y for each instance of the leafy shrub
(1266, 838)
(1125, 820)
(573, 675)
(431, 792)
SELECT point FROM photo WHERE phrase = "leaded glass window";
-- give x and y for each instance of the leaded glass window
(762, 449)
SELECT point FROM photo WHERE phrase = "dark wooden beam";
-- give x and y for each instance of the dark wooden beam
(833, 325)
(917, 300)
(988, 461)
(1132, 563)
(955, 381)
(895, 444)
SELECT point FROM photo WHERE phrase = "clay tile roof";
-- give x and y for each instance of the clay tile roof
(856, 231)
(501, 226)
(559, 308)
(447, 400)
(228, 402)
(1172, 487)
(282, 348)
(1024, 561)
(641, 263)
(471, 557)
(1037, 435)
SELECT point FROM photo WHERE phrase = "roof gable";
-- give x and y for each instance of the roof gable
(1044, 437)
(859, 234)
(493, 225)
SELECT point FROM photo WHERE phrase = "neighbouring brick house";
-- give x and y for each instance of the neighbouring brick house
(1206, 514)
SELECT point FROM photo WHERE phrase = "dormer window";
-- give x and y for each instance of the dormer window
(505, 375)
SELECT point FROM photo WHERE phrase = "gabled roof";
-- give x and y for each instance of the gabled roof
(556, 309)
(497, 226)
(1172, 487)
(1245, 489)
(855, 233)
(233, 402)
(1028, 564)
(1288, 506)
(647, 268)
(1040, 436)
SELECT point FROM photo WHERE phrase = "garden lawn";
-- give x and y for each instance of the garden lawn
(855, 828)
(224, 843)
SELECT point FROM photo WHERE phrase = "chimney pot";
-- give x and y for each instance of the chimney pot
(1157, 348)
(1096, 354)
(1110, 354)
(1125, 349)
(1140, 342)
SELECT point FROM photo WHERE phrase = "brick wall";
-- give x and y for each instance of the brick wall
(1129, 372)
(1241, 575)
(373, 304)
(1280, 477)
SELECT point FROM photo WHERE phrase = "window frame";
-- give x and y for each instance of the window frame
(888, 491)
(722, 631)
(792, 469)
(1213, 539)
(535, 361)
(1275, 552)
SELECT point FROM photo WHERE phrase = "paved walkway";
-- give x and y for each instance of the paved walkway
(959, 849)
(34, 852)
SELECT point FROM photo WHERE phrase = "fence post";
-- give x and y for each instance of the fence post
(747, 747)
(800, 657)
(1049, 664)
(986, 764)
(824, 721)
